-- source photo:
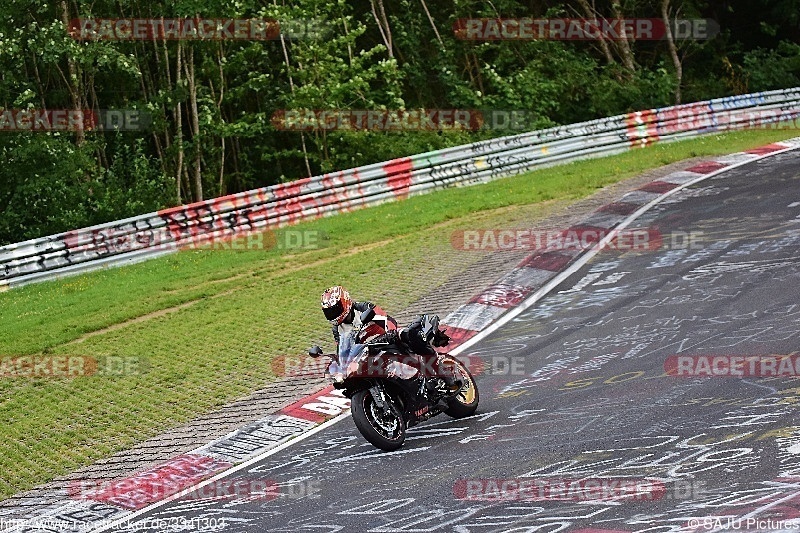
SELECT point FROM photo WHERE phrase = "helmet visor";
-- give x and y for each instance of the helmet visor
(333, 312)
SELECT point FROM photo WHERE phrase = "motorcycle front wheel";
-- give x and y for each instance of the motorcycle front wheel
(387, 432)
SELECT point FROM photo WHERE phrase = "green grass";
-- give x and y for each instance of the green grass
(247, 307)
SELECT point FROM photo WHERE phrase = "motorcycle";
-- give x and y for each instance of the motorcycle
(392, 390)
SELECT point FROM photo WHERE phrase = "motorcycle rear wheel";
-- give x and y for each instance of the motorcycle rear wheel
(465, 403)
(386, 433)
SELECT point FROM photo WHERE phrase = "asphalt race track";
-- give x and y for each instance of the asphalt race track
(586, 427)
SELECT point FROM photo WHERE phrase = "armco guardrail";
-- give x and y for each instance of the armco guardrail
(166, 231)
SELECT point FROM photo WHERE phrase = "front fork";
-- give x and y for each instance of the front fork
(379, 397)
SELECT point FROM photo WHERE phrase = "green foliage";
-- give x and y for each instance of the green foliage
(44, 185)
(131, 185)
(773, 69)
(226, 92)
(50, 185)
(645, 89)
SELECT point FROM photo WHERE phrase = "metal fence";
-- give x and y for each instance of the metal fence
(154, 234)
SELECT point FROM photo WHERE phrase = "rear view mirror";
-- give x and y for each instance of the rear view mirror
(367, 315)
(315, 351)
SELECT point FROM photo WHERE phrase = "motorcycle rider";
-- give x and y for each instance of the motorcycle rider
(340, 310)
(344, 314)
(413, 337)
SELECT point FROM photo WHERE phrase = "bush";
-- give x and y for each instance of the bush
(768, 69)
(51, 186)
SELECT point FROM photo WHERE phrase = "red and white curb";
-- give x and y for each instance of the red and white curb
(123, 500)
